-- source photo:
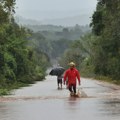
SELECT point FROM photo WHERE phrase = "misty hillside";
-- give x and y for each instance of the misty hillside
(66, 21)
(23, 21)
(37, 28)
(69, 21)
(53, 32)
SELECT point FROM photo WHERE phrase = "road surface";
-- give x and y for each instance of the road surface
(43, 101)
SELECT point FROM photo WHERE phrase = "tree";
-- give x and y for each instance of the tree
(7, 9)
(108, 42)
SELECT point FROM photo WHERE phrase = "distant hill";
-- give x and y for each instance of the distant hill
(53, 32)
(23, 21)
(56, 32)
(37, 28)
(67, 21)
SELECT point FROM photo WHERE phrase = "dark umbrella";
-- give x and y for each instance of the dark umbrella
(57, 71)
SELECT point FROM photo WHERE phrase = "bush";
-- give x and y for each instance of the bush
(4, 92)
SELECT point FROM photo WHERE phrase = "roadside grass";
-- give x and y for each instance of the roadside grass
(107, 79)
(89, 73)
(7, 89)
(4, 91)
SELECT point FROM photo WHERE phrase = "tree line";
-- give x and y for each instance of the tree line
(20, 62)
(105, 26)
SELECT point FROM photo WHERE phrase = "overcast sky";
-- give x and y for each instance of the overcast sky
(50, 9)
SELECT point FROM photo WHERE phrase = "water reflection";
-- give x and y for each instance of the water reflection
(73, 103)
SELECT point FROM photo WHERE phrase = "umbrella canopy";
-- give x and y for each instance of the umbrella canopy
(57, 71)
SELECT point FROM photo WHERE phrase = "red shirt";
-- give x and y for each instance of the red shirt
(71, 75)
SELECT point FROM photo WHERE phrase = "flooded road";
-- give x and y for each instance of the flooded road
(43, 101)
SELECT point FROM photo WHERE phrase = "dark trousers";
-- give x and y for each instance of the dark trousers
(59, 82)
(72, 88)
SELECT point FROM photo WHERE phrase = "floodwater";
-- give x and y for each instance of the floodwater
(43, 101)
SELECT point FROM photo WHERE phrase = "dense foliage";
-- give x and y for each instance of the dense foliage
(105, 24)
(19, 62)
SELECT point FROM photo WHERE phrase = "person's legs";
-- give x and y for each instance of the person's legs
(58, 83)
(61, 83)
(71, 90)
(74, 89)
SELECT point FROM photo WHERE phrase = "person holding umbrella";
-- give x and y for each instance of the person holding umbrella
(58, 71)
(71, 74)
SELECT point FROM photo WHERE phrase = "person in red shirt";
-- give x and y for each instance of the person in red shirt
(70, 75)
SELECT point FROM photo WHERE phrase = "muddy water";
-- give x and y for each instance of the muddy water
(43, 101)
